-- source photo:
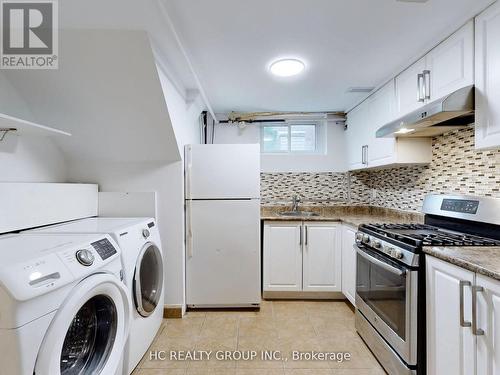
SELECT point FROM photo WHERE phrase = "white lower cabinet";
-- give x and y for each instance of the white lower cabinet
(282, 256)
(349, 263)
(488, 319)
(302, 256)
(450, 346)
(322, 258)
(463, 337)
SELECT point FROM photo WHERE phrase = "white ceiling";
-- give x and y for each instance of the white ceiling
(344, 43)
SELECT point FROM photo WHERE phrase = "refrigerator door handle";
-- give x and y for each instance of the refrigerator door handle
(189, 166)
(189, 230)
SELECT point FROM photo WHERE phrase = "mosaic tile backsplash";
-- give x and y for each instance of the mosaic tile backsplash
(456, 168)
(313, 188)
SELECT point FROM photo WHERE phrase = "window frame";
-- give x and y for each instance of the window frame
(288, 125)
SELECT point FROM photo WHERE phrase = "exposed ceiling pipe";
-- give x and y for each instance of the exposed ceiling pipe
(164, 12)
(262, 117)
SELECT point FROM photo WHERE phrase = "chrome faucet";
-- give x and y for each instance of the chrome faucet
(295, 203)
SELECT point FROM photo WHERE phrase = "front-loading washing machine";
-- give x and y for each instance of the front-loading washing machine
(142, 258)
(64, 309)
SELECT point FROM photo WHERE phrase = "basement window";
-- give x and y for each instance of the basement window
(289, 138)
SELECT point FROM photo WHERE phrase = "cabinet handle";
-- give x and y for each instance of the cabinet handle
(300, 237)
(420, 87)
(306, 233)
(463, 284)
(364, 155)
(476, 331)
(427, 84)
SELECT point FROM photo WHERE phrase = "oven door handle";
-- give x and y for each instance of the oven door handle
(380, 263)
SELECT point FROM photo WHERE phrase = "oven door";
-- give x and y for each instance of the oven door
(386, 295)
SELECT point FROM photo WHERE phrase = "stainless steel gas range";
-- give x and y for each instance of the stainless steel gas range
(390, 285)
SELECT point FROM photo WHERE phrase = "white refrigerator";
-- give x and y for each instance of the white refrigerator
(222, 225)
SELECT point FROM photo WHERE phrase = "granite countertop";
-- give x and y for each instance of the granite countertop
(481, 259)
(352, 215)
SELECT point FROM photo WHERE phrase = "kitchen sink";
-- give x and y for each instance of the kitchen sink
(298, 213)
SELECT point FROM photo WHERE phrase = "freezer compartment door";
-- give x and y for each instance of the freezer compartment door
(223, 262)
(222, 171)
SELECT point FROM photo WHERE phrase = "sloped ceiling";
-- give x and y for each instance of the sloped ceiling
(106, 92)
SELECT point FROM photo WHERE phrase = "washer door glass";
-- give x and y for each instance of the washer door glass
(90, 337)
(148, 280)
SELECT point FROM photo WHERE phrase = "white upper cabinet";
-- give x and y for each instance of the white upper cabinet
(381, 110)
(409, 89)
(450, 65)
(487, 77)
(446, 68)
(356, 138)
(365, 150)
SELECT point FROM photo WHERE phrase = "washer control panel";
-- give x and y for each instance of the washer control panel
(104, 248)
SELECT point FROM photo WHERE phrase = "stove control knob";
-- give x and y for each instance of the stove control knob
(359, 237)
(366, 238)
(377, 244)
(85, 257)
(398, 254)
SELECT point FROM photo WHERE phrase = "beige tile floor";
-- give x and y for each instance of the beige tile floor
(283, 326)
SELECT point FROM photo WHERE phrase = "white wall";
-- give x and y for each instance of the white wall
(26, 158)
(31, 159)
(167, 180)
(162, 179)
(330, 161)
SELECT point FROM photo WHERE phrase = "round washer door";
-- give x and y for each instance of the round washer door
(89, 331)
(148, 279)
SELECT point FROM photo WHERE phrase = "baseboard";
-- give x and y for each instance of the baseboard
(303, 295)
(173, 312)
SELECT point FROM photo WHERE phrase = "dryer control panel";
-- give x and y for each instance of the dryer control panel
(104, 248)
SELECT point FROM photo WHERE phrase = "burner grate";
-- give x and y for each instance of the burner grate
(426, 235)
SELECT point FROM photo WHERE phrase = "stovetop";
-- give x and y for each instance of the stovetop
(418, 235)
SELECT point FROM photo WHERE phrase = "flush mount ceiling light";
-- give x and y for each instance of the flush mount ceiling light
(404, 131)
(287, 67)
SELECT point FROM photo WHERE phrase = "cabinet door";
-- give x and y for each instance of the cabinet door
(407, 89)
(487, 78)
(451, 64)
(349, 263)
(356, 137)
(488, 319)
(450, 346)
(322, 257)
(381, 151)
(282, 256)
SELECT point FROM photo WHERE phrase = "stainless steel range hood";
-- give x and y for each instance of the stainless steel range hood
(453, 111)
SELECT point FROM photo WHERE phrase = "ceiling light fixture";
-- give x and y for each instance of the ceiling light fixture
(404, 131)
(287, 67)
